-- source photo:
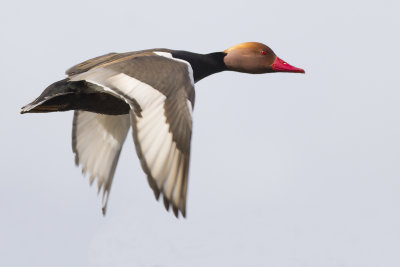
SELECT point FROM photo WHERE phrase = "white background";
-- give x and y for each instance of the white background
(286, 170)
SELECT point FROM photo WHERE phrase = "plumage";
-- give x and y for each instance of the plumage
(151, 91)
(97, 141)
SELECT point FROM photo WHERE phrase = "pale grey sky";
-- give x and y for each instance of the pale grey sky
(286, 170)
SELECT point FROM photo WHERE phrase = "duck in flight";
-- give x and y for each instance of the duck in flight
(151, 91)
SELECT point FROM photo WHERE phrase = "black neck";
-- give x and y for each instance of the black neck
(202, 65)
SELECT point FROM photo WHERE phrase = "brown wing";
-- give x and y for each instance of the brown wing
(108, 59)
(91, 63)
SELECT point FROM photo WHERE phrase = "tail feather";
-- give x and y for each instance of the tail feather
(45, 105)
(47, 101)
(76, 95)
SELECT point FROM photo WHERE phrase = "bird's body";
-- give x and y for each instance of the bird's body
(152, 91)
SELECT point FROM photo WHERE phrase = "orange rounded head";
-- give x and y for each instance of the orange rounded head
(253, 57)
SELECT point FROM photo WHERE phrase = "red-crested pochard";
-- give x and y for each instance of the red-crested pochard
(152, 91)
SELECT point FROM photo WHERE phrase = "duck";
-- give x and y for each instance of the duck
(151, 91)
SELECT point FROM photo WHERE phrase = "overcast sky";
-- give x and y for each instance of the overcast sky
(286, 170)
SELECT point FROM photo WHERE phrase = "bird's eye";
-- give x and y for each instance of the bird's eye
(263, 52)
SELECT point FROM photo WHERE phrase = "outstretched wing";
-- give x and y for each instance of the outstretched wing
(97, 141)
(160, 92)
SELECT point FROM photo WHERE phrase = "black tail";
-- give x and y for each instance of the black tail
(52, 99)
(76, 95)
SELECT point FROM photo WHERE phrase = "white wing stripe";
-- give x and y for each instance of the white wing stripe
(171, 179)
(158, 164)
(152, 128)
(151, 145)
(143, 93)
(146, 123)
(166, 164)
(164, 161)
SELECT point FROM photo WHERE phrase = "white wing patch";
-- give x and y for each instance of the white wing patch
(165, 165)
(97, 142)
(156, 148)
(144, 94)
(159, 151)
(163, 54)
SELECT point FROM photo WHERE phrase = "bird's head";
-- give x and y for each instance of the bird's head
(255, 57)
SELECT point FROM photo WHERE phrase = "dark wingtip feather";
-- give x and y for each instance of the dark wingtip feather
(76, 159)
(153, 186)
(166, 203)
(183, 212)
(176, 211)
(157, 194)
